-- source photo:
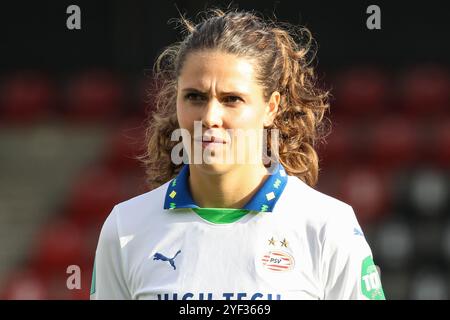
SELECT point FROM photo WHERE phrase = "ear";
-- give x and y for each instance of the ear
(272, 108)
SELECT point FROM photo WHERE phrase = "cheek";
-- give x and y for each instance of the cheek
(249, 117)
(183, 116)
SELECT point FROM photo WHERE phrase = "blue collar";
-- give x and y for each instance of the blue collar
(178, 194)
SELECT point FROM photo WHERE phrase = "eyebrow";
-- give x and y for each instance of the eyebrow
(224, 92)
(193, 90)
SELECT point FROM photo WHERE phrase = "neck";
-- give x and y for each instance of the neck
(231, 189)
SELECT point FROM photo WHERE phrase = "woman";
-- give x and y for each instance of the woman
(220, 225)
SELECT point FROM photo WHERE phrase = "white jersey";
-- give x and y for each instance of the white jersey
(289, 242)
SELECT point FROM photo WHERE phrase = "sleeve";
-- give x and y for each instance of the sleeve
(349, 272)
(108, 280)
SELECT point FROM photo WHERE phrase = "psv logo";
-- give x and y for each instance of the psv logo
(278, 261)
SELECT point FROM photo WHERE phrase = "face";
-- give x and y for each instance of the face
(220, 91)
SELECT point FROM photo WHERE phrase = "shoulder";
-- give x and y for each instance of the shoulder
(143, 203)
(314, 204)
(327, 217)
(333, 223)
(130, 215)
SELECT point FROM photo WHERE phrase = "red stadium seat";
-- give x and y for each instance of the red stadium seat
(329, 177)
(339, 146)
(146, 89)
(361, 92)
(368, 192)
(59, 245)
(25, 284)
(393, 142)
(94, 195)
(58, 284)
(94, 95)
(425, 91)
(26, 97)
(126, 144)
(133, 184)
(86, 280)
(440, 143)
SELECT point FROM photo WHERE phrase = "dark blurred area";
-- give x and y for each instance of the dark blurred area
(73, 105)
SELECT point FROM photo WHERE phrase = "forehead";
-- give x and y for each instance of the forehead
(201, 69)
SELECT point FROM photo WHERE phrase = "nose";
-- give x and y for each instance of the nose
(213, 114)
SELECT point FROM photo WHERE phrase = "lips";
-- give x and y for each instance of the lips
(211, 139)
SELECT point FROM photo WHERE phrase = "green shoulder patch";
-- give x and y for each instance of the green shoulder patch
(370, 280)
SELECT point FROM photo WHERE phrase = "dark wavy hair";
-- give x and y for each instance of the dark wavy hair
(282, 56)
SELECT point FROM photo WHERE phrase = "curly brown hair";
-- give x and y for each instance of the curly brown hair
(282, 53)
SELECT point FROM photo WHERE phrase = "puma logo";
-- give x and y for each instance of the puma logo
(160, 256)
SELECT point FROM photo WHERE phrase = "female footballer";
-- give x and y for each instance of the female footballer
(234, 214)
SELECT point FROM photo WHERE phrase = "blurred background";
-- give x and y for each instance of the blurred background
(73, 104)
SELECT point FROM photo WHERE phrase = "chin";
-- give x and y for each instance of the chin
(214, 168)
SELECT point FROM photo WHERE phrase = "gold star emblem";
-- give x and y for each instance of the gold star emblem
(272, 241)
(284, 243)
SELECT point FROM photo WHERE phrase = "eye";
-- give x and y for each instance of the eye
(232, 99)
(195, 97)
